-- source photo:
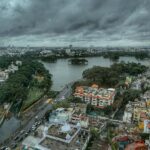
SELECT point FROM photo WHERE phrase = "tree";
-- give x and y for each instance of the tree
(47, 114)
(108, 110)
(18, 84)
(75, 100)
(94, 132)
(112, 75)
(130, 95)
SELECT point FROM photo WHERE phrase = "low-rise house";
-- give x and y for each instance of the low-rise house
(3, 76)
(18, 63)
(79, 116)
(146, 97)
(46, 53)
(80, 119)
(127, 117)
(136, 84)
(147, 126)
(147, 142)
(141, 83)
(122, 141)
(138, 145)
(61, 115)
(58, 137)
(12, 68)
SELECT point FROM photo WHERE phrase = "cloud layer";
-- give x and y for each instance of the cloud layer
(79, 22)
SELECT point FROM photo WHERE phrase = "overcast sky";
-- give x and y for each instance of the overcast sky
(76, 22)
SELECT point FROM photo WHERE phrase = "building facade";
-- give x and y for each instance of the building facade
(98, 97)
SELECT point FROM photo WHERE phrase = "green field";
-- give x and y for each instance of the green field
(33, 95)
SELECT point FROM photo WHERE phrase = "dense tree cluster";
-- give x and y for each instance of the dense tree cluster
(130, 95)
(16, 88)
(115, 55)
(49, 58)
(5, 61)
(111, 76)
(78, 61)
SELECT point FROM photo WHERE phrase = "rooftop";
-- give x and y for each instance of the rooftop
(58, 136)
(90, 91)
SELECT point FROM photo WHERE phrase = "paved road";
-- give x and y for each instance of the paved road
(65, 93)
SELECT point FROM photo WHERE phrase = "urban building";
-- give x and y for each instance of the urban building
(127, 117)
(3, 76)
(138, 145)
(61, 115)
(80, 119)
(147, 126)
(138, 112)
(57, 136)
(98, 97)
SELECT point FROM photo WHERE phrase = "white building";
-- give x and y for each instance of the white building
(61, 116)
(12, 68)
(146, 126)
(3, 76)
(127, 117)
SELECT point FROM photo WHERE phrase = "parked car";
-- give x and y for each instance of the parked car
(13, 145)
(4, 148)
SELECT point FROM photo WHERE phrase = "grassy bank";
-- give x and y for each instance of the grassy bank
(34, 95)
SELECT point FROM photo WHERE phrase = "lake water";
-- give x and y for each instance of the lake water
(64, 73)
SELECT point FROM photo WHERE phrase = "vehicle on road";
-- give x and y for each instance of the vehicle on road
(16, 138)
(13, 145)
(4, 148)
(36, 117)
(20, 139)
(33, 128)
(22, 131)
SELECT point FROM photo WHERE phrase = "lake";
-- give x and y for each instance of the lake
(64, 73)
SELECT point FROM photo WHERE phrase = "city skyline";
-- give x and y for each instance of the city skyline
(80, 23)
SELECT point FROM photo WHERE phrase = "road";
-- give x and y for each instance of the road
(108, 119)
(63, 94)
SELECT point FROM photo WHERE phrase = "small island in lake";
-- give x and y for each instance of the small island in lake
(78, 61)
(50, 59)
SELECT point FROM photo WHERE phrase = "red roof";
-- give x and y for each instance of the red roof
(138, 145)
(122, 139)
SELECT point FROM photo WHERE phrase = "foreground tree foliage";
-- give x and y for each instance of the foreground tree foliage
(16, 88)
(130, 95)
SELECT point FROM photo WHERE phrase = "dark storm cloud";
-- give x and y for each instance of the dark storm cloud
(87, 18)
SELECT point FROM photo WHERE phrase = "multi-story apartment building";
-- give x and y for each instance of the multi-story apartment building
(99, 97)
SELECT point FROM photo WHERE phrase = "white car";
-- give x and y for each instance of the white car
(62, 97)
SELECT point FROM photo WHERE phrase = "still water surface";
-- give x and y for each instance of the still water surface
(64, 73)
